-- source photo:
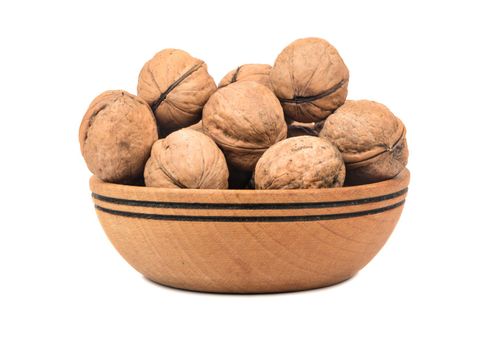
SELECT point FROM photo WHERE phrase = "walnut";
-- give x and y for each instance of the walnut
(116, 135)
(197, 126)
(310, 79)
(186, 159)
(301, 129)
(319, 125)
(371, 140)
(259, 73)
(176, 86)
(300, 162)
(244, 119)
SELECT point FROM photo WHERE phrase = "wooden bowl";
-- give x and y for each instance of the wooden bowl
(249, 241)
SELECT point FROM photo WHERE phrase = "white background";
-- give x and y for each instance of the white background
(63, 286)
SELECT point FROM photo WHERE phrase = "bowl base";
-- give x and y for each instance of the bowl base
(251, 292)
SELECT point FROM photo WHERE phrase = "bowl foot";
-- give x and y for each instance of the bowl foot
(227, 291)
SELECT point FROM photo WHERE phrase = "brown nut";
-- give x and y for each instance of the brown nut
(244, 119)
(186, 159)
(176, 86)
(371, 140)
(116, 134)
(301, 129)
(319, 125)
(197, 126)
(259, 73)
(300, 162)
(310, 79)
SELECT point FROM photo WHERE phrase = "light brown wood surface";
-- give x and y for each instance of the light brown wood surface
(249, 241)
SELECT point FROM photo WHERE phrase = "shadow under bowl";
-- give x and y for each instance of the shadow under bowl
(249, 241)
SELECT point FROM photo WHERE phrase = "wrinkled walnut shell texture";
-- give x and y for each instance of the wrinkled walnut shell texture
(244, 119)
(301, 129)
(116, 135)
(176, 86)
(186, 159)
(371, 139)
(300, 162)
(310, 79)
(384, 166)
(259, 73)
(319, 125)
(197, 126)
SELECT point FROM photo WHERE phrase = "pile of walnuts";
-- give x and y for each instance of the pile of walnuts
(283, 127)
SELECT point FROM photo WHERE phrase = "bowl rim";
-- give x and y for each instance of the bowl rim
(401, 180)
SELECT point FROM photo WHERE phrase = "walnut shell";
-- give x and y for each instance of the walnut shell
(310, 79)
(244, 119)
(300, 162)
(301, 129)
(371, 140)
(176, 86)
(319, 125)
(259, 73)
(186, 159)
(197, 126)
(116, 134)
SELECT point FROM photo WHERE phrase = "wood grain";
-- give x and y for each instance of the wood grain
(249, 241)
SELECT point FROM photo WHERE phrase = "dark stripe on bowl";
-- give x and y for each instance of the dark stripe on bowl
(247, 206)
(249, 218)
